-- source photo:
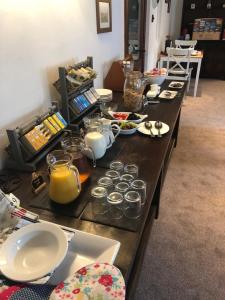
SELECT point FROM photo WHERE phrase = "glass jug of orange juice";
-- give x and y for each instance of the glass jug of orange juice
(64, 184)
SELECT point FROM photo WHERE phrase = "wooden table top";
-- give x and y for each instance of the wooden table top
(148, 153)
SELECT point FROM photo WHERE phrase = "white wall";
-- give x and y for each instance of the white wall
(39, 35)
(176, 18)
(164, 24)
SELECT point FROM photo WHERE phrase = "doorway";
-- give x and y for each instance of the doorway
(135, 26)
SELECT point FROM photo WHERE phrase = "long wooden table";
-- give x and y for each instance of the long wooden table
(152, 156)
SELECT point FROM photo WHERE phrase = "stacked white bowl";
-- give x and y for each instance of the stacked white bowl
(105, 95)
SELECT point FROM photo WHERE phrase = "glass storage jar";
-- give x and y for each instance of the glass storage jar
(133, 91)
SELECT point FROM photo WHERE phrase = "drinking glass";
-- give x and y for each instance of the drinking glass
(114, 175)
(117, 165)
(140, 187)
(115, 201)
(107, 183)
(131, 169)
(132, 205)
(99, 200)
(127, 178)
(122, 187)
(92, 120)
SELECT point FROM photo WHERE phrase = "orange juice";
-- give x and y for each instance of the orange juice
(63, 187)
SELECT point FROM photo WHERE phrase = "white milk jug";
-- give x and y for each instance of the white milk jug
(97, 142)
(108, 133)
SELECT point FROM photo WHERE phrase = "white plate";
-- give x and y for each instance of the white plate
(163, 95)
(32, 252)
(181, 84)
(141, 128)
(85, 249)
(142, 117)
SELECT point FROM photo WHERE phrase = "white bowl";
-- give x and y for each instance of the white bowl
(32, 252)
(128, 131)
(155, 79)
(104, 93)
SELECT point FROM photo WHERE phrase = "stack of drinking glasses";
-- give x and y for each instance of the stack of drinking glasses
(120, 192)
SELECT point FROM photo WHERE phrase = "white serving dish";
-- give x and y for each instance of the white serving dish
(33, 251)
(141, 128)
(84, 249)
(142, 117)
(164, 95)
(155, 79)
(181, 84)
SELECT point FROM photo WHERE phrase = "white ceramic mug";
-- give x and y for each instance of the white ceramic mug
(155, 88)
(151, 94)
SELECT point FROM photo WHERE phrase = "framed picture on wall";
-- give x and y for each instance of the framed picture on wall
(104, 16)
(169, 5)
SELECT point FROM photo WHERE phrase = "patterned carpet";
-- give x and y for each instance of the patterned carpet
(185, 257)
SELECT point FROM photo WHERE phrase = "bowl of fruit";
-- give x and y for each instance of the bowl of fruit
(126, 128)
(156, 76)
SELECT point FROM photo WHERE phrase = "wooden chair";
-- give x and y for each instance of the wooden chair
(178, 64)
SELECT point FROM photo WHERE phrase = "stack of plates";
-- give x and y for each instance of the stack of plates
(105, 95)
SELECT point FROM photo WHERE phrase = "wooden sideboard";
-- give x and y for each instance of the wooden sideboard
(152, 156)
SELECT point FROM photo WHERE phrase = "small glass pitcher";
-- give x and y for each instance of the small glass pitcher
(64, 184)
(77, 148)
(133, 91)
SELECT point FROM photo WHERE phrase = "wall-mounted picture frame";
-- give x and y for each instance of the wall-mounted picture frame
(169, 5)
(104, 16)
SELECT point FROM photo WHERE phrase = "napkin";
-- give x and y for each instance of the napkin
(7, 220)
(11, 213)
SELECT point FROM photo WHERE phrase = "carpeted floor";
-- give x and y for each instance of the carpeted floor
(185, 257)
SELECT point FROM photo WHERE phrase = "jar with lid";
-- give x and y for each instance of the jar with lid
(133, 91)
